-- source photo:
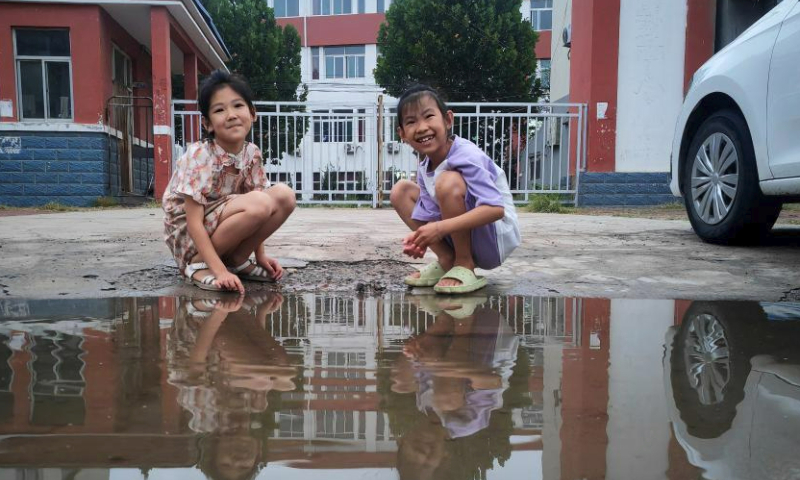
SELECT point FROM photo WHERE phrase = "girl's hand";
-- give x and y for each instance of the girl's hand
(427, 234)
(411, 249)
(229, 281)
(271, 265)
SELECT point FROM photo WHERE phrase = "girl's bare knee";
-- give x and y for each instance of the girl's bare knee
(284, 197)
(450, 185)
(260, 206)
(402, 192)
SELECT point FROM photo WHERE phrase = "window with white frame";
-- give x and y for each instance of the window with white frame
(44, 73)
(315, 63)
(338, 62)
(543, 73)
(121, 70)
(344, 62)
(542, 14)
(287, 8)
(338, 7)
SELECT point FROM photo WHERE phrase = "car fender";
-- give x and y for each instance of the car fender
(740, 71)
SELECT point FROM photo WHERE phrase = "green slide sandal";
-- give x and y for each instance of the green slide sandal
(469, 281)
(428, 276)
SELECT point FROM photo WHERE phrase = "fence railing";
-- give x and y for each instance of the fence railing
(352, 154)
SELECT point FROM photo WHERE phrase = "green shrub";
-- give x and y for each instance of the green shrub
(57, 207)
(105, 202)
(547, 203)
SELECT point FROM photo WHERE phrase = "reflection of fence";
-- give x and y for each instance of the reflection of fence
(537, 320)
(352, 154)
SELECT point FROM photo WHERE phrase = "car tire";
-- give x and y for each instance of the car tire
(710, 362)
(720, 182)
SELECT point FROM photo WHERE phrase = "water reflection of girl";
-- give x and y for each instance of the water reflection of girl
(225, 364)
(455, 425)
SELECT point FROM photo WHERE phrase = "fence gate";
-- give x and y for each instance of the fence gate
(130, 145)
(352, 155)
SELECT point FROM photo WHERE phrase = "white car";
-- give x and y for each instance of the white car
(736, 151)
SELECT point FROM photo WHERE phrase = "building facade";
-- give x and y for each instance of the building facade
(631, 62)
(85, 95)
(340, 50)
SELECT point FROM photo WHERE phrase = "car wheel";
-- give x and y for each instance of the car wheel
(720, 183)
(710, 363)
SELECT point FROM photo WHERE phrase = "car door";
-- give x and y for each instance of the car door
(783, 99)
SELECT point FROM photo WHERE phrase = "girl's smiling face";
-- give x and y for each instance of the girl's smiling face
(229, 119)
(426, 128)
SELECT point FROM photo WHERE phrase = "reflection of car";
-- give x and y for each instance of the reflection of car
(736, 151)
(732, 378)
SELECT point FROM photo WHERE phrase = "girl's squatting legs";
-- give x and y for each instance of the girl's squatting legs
(404, 197)
(250, 219)
(451, 191)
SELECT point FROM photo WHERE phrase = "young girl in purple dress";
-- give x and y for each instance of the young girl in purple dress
(461, 205)
(219, 205)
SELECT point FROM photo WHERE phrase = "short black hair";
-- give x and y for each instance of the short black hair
(219, 80)
(415, 94)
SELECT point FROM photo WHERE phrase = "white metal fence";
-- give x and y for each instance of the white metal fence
(352, 154)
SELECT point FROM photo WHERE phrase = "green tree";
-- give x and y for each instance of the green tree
(469, 50)
(269, 57)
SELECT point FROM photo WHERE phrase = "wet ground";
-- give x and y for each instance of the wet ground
(391, 384)
(112, 253)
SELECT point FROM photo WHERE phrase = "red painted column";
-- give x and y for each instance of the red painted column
(190, 93)
(162, 96)
(594, 62)
(700, 26)
(8, 80)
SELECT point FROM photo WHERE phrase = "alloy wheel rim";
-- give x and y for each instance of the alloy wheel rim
(707, 358)
(715, 178)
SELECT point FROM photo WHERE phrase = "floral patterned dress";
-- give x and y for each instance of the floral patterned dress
(201, 174)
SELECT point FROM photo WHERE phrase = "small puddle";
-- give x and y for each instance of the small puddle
(398, 386)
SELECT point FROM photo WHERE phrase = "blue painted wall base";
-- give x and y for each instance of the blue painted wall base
(68, 168)
(624, 189)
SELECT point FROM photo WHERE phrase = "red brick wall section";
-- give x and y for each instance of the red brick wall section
(83, 21)
(297, 23)
(544, 45)
(344, 29)
(113, 33)
(700, 26)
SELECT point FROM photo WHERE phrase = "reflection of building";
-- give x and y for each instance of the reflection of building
(339, 408)
(590, 379)
(85, 387)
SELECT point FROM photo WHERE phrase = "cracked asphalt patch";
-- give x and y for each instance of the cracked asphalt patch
(369, 276)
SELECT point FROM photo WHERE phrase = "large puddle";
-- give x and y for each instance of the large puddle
(398, 386)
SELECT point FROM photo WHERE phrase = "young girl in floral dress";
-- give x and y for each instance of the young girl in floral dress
(219, 205)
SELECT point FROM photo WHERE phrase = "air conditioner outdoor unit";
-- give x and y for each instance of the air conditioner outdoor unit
(349, 148)
(566, 36)
(393, 147)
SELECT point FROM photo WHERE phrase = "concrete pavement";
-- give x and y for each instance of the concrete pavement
(120, 252)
